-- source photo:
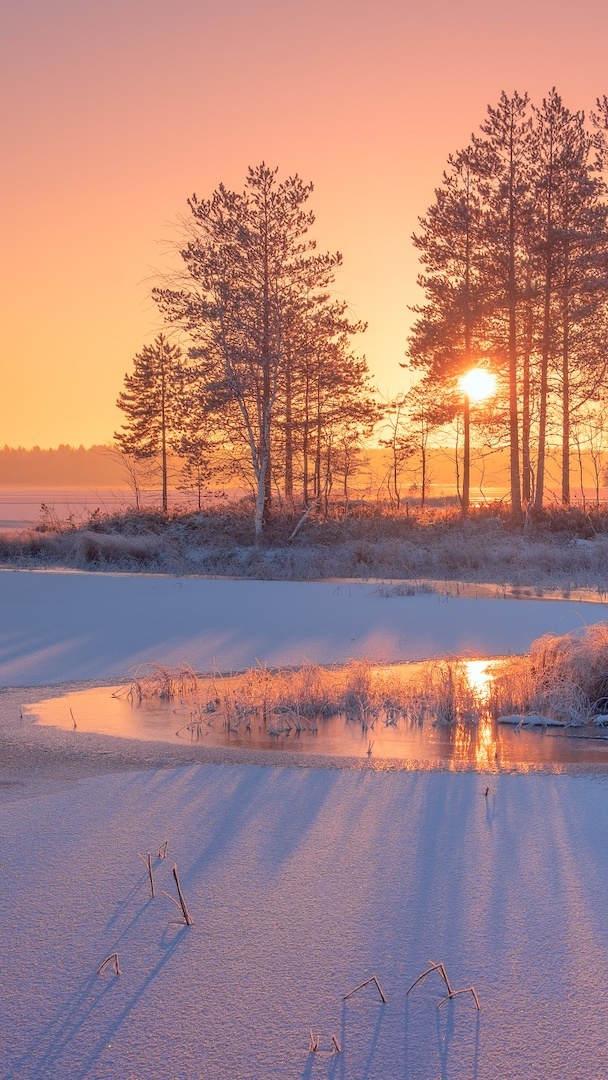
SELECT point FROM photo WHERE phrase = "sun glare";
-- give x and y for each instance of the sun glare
(478, 384)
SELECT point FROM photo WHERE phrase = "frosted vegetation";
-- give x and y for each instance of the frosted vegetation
(565, 549)
(562, 679)
(297, 700)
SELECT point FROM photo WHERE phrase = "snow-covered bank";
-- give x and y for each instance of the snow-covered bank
(302, 883)
(63, 626)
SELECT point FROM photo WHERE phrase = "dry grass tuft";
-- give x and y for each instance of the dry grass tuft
(563, 678)
(157, 681)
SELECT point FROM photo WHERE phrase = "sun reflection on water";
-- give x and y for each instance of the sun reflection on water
(480, 674)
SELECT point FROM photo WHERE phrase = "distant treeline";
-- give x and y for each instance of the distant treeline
(65, 466)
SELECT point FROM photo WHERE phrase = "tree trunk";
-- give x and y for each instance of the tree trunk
(466, 465)
(317, 477)
(288, 436)
(565, 416)
(546, 348)
(526, 411)
(267, 359)
(513, 411)
(260, 502)
(566, 362)
(306, 438)
(424, 439)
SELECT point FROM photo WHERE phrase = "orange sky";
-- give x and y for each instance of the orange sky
(114, 112)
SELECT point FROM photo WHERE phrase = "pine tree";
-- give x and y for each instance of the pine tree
(581, 282)
(249, 299)
(503, 160)
(519, 275)
(148, 402)
(447, 336)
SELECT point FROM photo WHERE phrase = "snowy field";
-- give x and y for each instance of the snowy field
(302, 882)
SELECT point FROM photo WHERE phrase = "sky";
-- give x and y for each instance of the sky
(114, 113)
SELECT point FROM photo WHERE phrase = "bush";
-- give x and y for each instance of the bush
(563, 678)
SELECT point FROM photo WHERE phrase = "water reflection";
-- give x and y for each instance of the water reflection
(457, 736)
(480, 674)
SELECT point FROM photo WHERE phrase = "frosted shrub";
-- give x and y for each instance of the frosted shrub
(564, 678)
(156, 681)
(562, 700)
(513, 687)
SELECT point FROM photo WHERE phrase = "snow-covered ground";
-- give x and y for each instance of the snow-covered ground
(66, 625)
(302, 882)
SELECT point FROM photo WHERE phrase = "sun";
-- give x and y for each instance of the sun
(478, 384)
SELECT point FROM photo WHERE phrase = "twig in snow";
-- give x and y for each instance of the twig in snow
(147, 861)
(313, 1043)
(182, 903)
(73, 720)
(112, 958)
(162, 851)
(455, 993)
(440, 967)
(372, 979)
(432, 967)
(337, 1048)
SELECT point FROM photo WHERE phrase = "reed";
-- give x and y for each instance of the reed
(158, 681)
(113, 960)
(181, 904)
(564, 679)
(367, 982)
(147, 861)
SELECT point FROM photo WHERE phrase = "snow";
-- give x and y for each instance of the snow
(302, 882)
(64, 626)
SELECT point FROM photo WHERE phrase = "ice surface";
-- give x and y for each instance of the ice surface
(61, 626)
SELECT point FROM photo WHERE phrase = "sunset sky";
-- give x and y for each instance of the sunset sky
(114, 113)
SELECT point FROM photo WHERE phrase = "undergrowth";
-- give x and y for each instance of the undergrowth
(562, 547)
(285, 700)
